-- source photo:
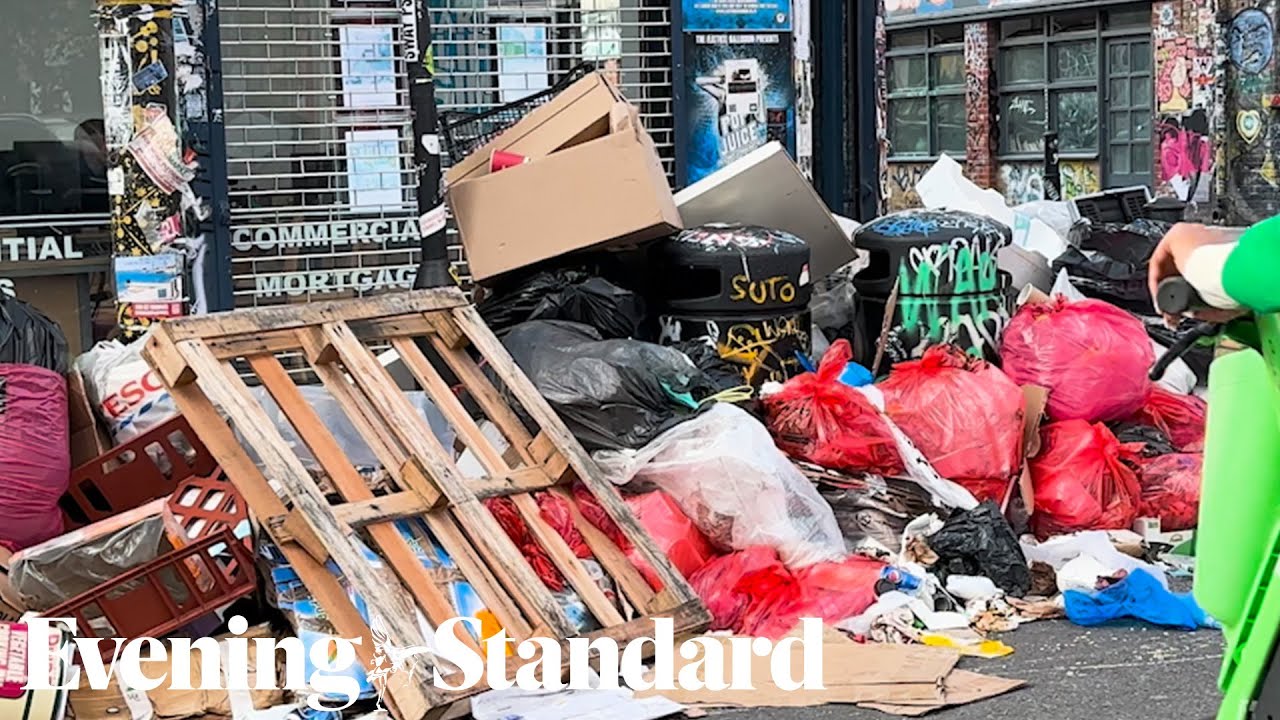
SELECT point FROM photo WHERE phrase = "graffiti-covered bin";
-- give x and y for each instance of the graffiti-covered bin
(745, 287)
(945, 266)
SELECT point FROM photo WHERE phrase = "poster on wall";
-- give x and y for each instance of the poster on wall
(373, 170)
(736, 15)
(739, 94)
(522, 61)
(368, 66)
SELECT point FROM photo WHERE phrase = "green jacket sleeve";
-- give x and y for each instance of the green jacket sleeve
(1251, 275)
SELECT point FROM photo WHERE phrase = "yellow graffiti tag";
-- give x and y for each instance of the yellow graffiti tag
(759, 292)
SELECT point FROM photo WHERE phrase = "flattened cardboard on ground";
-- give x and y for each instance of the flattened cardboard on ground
(961, 688)
(579, 113)
(852, 673)
(766, 188)
(1034, 401)
(607, 191)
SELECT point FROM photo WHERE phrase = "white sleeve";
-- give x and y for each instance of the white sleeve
(1204, 271)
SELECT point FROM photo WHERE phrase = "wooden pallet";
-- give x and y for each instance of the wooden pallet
(194, 357)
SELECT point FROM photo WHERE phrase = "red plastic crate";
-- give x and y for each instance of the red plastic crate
(128, 476)
(143, 603)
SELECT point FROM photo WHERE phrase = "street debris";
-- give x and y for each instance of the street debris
(636, 423)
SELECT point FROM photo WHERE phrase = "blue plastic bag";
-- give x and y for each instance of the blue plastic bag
(1139, 596)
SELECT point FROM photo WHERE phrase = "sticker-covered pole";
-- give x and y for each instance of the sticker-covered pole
(145, 169)
(415, 29)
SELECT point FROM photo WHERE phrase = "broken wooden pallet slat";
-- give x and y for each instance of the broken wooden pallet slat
(429, 498)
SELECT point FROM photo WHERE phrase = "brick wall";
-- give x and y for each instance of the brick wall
(1186, 34)
(1249, 147)
(980, 143)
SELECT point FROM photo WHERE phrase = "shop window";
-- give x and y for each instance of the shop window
(52, 144)
(1049, 77)
(926, 84)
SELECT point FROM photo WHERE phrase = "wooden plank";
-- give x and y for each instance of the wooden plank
(395, 506)
(487, 536)
(264, 343)
(416, 478)
(611, 557)
(392, 456)
(450, 406)
(487, 397)
(292, 525)
(568, 564)
(283, 317)
(517, 481)
(204, 418)
(164, 358)
(520, 385)
(447, 331)
(223, 387)
(543, 449)
(433, 600)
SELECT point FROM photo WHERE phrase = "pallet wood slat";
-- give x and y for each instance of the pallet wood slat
(427, 499)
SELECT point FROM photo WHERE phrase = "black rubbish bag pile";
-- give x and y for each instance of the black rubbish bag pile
(980, 542)
(27, 337)
(613, 394)
(571, 295)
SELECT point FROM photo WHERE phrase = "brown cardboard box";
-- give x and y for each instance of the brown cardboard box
(579, 113)
(610, 190)
(88, 439)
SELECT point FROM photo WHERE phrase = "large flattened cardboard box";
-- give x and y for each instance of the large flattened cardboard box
(603, 186)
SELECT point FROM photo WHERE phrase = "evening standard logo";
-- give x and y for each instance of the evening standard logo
(713, 664)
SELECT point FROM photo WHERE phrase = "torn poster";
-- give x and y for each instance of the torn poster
(158, 151)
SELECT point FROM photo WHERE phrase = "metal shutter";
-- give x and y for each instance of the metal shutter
(299, 231)
(471, 67)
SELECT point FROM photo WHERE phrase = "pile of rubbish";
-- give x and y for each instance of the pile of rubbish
(796, 440)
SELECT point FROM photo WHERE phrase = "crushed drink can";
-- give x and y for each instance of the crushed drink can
(901, 579)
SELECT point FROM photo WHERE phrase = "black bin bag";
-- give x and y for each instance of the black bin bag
(613, 394)
(571, 295)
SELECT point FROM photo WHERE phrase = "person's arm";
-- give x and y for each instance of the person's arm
(1251, 270)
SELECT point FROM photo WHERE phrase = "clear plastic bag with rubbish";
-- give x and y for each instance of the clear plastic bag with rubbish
(726, 474)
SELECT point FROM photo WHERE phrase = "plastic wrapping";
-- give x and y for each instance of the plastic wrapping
(126, 393)
(339, 424)
(613, 394)
(1093, 358)
(964, 414)
(980, 542)
(55, 571)
(34, 453)
(1171, 490)
(1180, 417)
(570, 295)
(729, 479)
(1082, 481)
(27, 337)
(508, 517)
(672, 531)
(872, 511)
(703, 353)
(1140, 596)
(817, 418)
(600, 520)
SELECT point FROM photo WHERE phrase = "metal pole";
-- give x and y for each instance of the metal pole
(433, 270)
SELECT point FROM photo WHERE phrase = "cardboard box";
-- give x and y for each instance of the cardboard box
(88, 439)
(579, 113)
(607, 191)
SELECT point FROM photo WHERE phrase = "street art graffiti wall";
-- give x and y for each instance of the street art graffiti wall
(1187, 63)
(1079, 178)
(1250, 134)
(1186, 155)
(902, 184)
(1022, 182)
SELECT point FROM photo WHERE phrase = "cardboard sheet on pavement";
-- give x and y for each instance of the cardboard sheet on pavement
(961, 688)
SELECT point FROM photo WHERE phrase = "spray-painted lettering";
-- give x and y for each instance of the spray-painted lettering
(759, 292)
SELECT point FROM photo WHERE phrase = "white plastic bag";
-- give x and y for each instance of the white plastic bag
(124, 390)
(726, 474)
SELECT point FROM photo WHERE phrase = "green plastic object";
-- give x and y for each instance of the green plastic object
(1238, 538)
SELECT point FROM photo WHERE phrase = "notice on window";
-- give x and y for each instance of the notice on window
(522, 61)
(733, 15)
(368, 67)
(373, 170)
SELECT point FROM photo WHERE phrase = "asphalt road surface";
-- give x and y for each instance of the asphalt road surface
(1113, 673)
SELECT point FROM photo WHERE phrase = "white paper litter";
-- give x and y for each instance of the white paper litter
(517, 704)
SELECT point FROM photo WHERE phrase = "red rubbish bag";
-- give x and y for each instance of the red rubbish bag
(1180, 417)
(964, 414)
(830, 591)
(600, 520)
(1082, 481)
(729, 584)
(673, 532)
(817, 418)
(1171, 490)
(1091, 355)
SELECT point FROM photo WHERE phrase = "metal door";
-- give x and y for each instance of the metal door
(1126, 157)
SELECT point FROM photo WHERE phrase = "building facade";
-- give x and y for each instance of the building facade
(1174, 95)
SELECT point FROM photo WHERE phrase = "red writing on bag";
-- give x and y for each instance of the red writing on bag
(131, 393)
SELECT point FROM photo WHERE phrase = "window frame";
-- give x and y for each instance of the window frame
(1050, 87)
(928, 51)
